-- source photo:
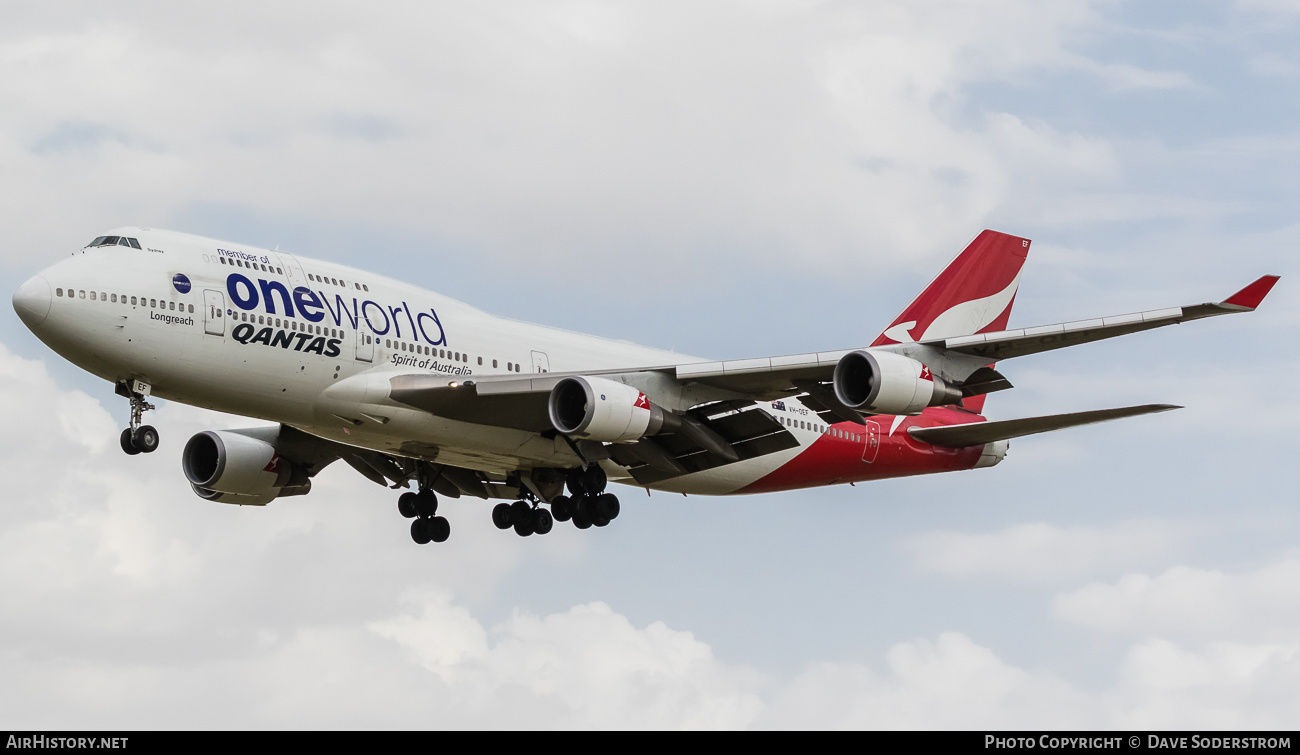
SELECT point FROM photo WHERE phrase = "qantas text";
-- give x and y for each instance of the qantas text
(304, 342)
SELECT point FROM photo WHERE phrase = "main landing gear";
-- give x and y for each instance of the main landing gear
(587, 505)
(422, 507)
(138, 438)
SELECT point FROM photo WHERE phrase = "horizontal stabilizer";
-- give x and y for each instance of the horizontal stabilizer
(979, 433)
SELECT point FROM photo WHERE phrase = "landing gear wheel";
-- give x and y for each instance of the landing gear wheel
(439, 529)
(573, 481)
(145, 439)
(606, 506)
(420, 531)
(593, 480)
(502, 516)
(426, 503)
(406, 505)
(524, 526)
(127, 445)
(582, 512)
(542, 522)
(562, 508)
(520, 511)
(600, 521)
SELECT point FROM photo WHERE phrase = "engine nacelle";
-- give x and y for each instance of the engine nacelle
(887, 383)
(229, 467)
(992, 454)
(605, 410)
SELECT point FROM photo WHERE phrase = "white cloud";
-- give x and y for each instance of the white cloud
(1041, 552)
(1192, 603)
(559, 130)
(584, 668)
(950, 683)
(1221, 685)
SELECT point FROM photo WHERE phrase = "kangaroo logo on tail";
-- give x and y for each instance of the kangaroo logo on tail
(973, 294)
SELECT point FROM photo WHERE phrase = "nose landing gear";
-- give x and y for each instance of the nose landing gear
(138, 438)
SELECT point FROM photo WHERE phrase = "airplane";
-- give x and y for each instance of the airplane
(408, 386)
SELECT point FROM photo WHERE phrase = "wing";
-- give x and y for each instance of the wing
(717, 407)
(1006, 344)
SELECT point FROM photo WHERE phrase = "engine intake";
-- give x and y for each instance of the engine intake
(883, 382)
(605, 410)
(229, 467)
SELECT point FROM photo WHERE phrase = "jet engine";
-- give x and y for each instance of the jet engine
(228, 466)
(602, 409)
(883, 382)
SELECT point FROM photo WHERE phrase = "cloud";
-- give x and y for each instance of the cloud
(1221, 685)
(585, 668)
(1192, 603)
(950, 682)
(546, 131)
(1041, 552)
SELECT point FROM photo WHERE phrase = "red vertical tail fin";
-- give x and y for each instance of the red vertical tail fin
(973, 294)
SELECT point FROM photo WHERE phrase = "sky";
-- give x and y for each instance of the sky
(728, 180)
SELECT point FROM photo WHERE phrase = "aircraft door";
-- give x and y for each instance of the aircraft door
(214, 313)
(365, 346)
(541, 363)
(871, 447)
(292, 270)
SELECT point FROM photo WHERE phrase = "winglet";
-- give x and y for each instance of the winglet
(1250, 296)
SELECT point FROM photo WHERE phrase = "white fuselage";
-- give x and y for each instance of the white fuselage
(243, 337)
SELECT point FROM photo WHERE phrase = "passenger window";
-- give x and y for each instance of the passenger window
(92, 295)
(364, 286)
(115, 298)
(494, 364)
(192, 310)
(278, 271)
(58, 292)
(388, 344)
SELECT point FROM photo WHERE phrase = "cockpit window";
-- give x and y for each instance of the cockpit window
(115, 241)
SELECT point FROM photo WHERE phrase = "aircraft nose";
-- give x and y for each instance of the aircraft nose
(32, 301)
